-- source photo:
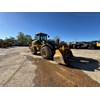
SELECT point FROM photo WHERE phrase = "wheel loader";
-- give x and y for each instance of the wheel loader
(50, 49)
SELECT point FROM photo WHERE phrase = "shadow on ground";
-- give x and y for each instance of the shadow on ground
(83, 63)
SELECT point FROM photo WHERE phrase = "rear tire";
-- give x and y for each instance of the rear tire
(46, 52)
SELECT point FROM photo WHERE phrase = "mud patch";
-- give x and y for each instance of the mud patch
(51, 75)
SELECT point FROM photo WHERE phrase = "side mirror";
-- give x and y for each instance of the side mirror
(48, 36)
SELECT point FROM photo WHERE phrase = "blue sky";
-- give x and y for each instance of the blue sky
(69, 26)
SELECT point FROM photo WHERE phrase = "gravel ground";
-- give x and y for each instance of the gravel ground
(18, 67)
(15, 69)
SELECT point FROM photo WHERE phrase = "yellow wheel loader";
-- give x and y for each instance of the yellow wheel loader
(50, 49)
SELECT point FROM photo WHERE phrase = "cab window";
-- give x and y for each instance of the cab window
(44, 37)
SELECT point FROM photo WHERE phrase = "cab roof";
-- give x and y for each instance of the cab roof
(41, 33)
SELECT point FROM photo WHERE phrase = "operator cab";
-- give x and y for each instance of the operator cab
(41, 37)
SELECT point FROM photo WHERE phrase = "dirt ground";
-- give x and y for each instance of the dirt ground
(18, 67)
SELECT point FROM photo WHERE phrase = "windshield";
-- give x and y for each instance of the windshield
(41, 37)
(44, 37)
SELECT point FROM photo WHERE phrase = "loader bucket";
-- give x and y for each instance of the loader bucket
(58, 57)
(62, 56)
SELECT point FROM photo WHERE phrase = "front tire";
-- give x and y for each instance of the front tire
(46, 52)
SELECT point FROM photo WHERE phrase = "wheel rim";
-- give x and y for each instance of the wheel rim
(44, 53)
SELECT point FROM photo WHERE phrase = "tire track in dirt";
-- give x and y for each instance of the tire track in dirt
(10, 78)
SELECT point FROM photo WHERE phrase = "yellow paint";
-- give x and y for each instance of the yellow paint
(58, 53)
(58, 57)
(98, 44)
(63, 48)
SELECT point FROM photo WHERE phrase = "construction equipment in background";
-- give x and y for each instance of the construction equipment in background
(84, 45)
(50, 49)
(94, 44)
(81, 45)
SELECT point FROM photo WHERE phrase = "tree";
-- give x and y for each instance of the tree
(1, 43)
(57, 39)
(21, 38)
(24, 39)
(28, 39)
(1, 40)
(9, 41)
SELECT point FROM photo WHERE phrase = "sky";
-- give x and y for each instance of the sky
(69, 26)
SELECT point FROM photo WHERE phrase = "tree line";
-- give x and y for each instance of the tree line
(20, 40)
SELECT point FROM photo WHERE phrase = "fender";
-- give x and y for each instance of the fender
(52, 48)
(47, 45)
